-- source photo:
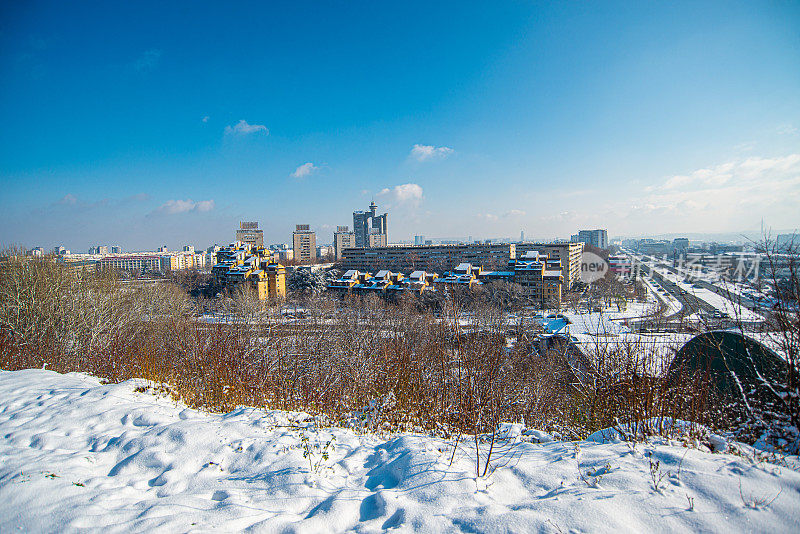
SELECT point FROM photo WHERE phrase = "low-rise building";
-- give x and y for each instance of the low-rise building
(567, 254)
(131, 262)
(241, 265)
(431, 258)
(177, 261)
(540, 277)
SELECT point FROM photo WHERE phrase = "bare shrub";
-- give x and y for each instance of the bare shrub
(450, 365)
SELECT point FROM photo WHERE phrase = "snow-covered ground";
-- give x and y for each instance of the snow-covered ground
(78, 455)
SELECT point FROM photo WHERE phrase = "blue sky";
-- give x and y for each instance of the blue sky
(144, 124)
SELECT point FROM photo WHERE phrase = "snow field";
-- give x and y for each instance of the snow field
(78, 455)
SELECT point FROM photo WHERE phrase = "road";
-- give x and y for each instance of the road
(691, 305)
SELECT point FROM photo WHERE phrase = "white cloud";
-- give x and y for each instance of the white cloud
(751, 172)
(427, 152)
(787, 129)
(735, 194)
(172, 207)
(205, 205)
(514, 213)
(243, 128)
(403, 194)
(305, 170)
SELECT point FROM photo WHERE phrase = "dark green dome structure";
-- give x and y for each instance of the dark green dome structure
(733, 363)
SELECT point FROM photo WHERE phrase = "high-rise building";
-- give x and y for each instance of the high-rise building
(370, 228)
(188, 248)
(595, 238)
(375, 239)
(116, 249)
(304, 244)
(419, 240)
(680, 245)
(343, 238)
(249, 233)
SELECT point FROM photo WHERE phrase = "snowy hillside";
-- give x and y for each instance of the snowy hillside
(77, 455)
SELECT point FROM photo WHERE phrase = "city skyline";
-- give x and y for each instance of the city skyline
(144, 125)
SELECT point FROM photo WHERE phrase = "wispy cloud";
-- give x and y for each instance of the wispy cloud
(173, 207)
(306, 169)
(138, 197)
(403, 194)
(69, 200)
(148, 60)
(719, 196)
(750, 173)
(243, 128)
(73, 203)
(428, 152)
(491, 217)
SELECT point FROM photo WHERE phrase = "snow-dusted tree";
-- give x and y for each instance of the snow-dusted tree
(304, 282)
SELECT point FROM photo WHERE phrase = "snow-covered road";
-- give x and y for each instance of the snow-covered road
(78, 455)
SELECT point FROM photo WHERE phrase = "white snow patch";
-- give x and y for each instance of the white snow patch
(78, 455)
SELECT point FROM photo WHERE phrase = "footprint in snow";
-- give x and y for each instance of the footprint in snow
(220, 495)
